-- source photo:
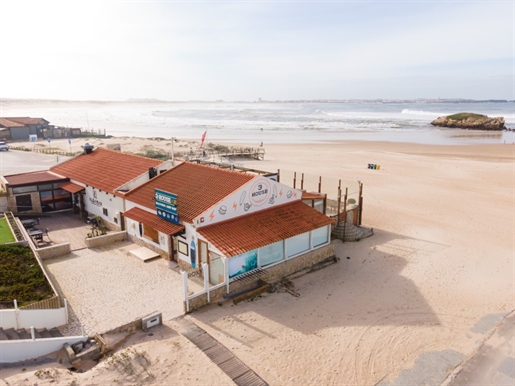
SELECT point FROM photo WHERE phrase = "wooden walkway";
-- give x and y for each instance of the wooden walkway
(238, 371)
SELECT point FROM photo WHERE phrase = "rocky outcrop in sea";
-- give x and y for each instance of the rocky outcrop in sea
(470, 121)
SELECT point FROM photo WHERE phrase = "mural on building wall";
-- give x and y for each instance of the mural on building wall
(258, 194)
(240, 264)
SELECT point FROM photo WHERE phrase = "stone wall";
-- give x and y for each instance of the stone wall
(34, 196)
(296, 265)
(92, 242)
(53, 251)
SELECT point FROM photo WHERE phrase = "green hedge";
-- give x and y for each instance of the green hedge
(21, 277)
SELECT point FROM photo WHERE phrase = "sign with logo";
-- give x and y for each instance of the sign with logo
(260, 192)
(33, 138)
(166, 206)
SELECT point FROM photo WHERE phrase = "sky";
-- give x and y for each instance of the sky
(245, 50)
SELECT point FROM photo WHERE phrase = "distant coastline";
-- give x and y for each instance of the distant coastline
(150, 100)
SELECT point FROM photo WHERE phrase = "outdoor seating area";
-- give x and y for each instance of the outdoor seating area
(58, 228)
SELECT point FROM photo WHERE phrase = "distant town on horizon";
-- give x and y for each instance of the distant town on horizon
(259, 100)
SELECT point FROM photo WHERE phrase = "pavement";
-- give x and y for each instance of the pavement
(16, 161)
(494, 361)
(107, 287)
(491, 364)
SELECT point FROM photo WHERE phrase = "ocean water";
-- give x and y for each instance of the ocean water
(253, 123)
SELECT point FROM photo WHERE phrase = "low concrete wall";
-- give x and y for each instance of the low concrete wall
(53, 251)
(296, 265)
(12, 351)
(109, 238)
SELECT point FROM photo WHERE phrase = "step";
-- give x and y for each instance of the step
(11, 334)
(55, 332)
(24, 334)
(45, 333)
(2, 335)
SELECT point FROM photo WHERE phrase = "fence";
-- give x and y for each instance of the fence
(39, 318)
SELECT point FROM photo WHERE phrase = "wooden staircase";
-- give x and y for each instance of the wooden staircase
(12, 334)
(347, 231)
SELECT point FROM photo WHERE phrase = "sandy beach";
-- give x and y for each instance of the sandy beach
(439, 264)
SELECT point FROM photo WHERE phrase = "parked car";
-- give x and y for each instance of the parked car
(4, 146)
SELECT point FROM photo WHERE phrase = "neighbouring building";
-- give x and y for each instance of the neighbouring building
(20, 128)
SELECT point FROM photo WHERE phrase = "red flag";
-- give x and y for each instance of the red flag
(203, 138)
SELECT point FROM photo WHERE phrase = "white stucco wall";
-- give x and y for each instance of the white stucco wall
(258, 194)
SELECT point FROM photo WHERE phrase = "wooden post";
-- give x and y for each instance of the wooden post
(294, 179)
(320, 184)
(302, 181)
(339, 202)
(345, 213)
(360, 203)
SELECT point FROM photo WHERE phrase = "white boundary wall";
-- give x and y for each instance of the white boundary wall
(39, 318)
(12, 351)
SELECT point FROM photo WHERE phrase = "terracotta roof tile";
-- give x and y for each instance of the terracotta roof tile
(26, 120)
(246, 233)
(152, 220)
(71, 187)
(197, 187)
(105, 169)
(312, 195)
(32, 178)
(8, 123)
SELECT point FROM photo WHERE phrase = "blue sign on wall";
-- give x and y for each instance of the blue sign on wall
(166, 206)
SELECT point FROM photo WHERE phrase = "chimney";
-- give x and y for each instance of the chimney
(87, 148)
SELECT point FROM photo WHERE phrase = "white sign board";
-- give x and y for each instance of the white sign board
(33, 138)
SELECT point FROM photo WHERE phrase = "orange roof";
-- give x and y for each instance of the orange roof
(26, 120)
(152, 220)
(32, 178)
(197, 187)
(71, 187)
(105, 169)
(312, 195)
(8, 123)
(255, 230)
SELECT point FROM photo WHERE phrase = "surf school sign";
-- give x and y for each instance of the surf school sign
(166, 206)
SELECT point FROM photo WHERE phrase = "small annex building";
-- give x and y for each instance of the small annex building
(224, 218)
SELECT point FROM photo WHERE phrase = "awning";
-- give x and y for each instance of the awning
(255, 230)
(151, 219)
(71, 187)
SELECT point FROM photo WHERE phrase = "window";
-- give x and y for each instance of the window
(25, 189)
(45, 187)
(216, 269)
(151, 233)
(104, 211)
(24, 203)
(297, 244)
(271, 253)
(320, 236)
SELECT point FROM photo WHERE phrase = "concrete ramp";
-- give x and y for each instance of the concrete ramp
(144, 254)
